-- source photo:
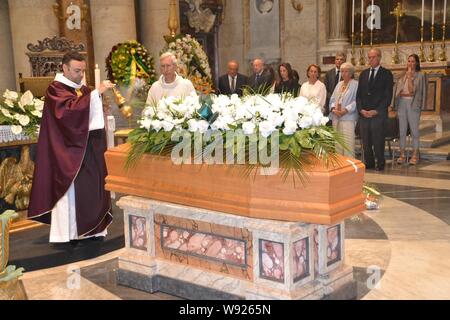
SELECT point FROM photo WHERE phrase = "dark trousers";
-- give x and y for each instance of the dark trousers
(373, 132)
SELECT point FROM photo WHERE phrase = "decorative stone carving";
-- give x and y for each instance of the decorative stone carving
(200, 19)
(56, 44)
(46, 56)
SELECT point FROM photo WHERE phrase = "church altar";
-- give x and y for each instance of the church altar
(204, 232)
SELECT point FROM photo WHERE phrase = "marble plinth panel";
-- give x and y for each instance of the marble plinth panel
(233, 256)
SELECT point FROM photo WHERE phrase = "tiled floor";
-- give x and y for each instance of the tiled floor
(407, 240)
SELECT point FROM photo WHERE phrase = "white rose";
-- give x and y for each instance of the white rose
(157, 125)
(10, 95)
(6, 113)
(146, 123)
(16, 129)
(266, 128)
(37, 113)
(193, 126)
(26, 99)
(289, 127)
(248, 127)
(167, 126)
(305, 122)
(203, 126)
(24, 120)
(9, 103)
(38, 104)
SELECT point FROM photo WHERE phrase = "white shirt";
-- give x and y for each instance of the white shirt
(179, 88)
(316, 91)
(376, 71)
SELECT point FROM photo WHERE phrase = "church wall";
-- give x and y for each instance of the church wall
(154, 16)
(231, 37)
(301, 36)
(30, 15)
(7, 80)
(113, 22)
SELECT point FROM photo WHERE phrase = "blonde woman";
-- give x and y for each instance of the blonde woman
(343, 110)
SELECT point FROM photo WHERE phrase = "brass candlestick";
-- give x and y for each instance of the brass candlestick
(362, 61)
(421, 49)
(431, 57)
(353, 60)
(398, 13)
(442, 54)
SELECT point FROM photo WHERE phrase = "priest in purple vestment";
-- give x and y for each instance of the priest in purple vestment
(68, 189)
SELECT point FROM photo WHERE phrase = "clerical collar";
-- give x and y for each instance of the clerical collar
(172, 84)
(60, 78)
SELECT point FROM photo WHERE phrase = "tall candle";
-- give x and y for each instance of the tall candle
(423, 10)
(362, 15)
(353, 16)
(371, 16)
(432, 13)
(445, 11)
(97, 76)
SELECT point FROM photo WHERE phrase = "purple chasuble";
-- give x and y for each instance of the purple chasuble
(68, 152)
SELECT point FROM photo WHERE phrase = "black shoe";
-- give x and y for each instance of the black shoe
(97, 239)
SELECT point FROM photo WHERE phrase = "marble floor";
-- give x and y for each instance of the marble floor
(406, 242)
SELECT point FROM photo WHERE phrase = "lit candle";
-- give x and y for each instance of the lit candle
(445, 11)
(362, 15)
(371, 16)
(97, 76)
(353, 16)
(423, 10)
(432, 13)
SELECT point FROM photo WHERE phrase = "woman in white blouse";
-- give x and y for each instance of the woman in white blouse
(343, 111)
(314, 88)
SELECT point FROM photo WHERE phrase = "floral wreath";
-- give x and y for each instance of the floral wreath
(128, 62)
(192, 61)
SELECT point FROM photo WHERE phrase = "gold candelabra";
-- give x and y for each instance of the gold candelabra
(125, 109)
(421, 49)
(362, 61)
(442, 55)
(431, 57)
(398, 13)
(353, 60)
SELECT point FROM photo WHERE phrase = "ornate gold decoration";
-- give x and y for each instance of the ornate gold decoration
(16, 179)
(126, 110)
(398, 13)
(362, 61)
(421, 50)
(442, 55)
(431, 57)
(296, 4)
(198, 18)
(173, 18)
(353, 60)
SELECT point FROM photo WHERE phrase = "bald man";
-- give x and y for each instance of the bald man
(232, 82)
(261, 79)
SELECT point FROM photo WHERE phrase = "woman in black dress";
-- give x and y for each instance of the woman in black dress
(286, 82)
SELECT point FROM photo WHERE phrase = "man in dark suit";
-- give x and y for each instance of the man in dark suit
(233, 81)
(261, 79)
(332, 78)
(372, 100)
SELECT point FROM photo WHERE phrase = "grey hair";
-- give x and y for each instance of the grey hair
(170, 55)
(341, 54)
(348, 66)
(378, 51)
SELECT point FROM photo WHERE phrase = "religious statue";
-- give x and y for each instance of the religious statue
(16, 179)
(200, 19)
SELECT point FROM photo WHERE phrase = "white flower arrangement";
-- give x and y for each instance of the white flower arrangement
(192, 61)
(22, 112)
(256, 113)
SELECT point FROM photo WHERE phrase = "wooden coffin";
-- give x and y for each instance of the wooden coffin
(329, 196)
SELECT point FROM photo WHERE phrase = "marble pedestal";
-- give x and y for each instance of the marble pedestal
(203, 254)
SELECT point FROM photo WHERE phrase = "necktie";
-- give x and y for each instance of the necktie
(257, 79)
(338, 78)
(372, 76)
(233, 84)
